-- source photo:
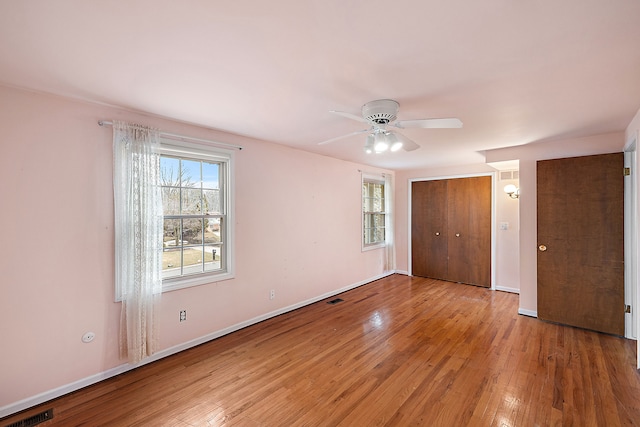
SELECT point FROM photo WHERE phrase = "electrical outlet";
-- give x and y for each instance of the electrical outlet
(183, 315)
(272, 294)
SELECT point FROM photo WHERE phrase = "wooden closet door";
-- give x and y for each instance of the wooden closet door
(429, 207)
(581, 242)
(470, 230)
(451, 230)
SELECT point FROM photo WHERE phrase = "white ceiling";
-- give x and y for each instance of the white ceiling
(515, 72)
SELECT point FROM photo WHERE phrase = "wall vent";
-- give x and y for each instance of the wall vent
(509, 175)
(34, 419)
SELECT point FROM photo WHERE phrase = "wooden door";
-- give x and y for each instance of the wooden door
(451, 230)
(429, 249)
(470, 230)
(581, 242)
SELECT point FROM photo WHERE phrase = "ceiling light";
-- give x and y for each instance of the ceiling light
(381, 143)
(368, 146)
(380, 140)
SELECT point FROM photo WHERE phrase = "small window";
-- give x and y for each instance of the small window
(373, 212)
(196, 199)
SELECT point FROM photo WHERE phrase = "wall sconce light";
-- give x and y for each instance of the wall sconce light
(512, 191)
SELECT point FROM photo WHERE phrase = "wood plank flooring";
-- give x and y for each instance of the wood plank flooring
(400, 351)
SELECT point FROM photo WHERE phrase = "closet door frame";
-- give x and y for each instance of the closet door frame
(493, 216)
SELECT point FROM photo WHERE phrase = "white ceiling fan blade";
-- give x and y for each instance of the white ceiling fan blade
(349, 116)
(358, 132)
(449, 123)
(407, 144)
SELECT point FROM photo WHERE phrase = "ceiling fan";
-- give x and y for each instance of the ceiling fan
(381, 114)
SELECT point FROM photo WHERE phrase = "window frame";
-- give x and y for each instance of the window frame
(373, 179)
(201, 152)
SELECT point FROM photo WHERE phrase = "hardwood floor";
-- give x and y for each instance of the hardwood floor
(399, 351)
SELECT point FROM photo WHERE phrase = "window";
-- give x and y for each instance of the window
(196, 200)
(373, 212)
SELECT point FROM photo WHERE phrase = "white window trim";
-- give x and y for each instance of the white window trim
(366, 177)
(204, 152)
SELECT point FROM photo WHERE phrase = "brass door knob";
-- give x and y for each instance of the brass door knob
(437, 233)
(542, 248)
(457, 234)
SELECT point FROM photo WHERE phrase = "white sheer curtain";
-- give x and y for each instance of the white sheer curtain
(138, 236)
(390, 248)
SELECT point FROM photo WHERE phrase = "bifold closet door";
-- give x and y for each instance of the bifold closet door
(429, 253)
(469, 208)
(451, 230)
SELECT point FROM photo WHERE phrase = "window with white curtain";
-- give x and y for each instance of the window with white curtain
(373, 212)
(197, 238)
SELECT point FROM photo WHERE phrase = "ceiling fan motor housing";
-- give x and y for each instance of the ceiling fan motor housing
(381, 111)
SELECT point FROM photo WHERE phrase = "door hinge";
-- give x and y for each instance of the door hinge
(627, 309)
(626, 171)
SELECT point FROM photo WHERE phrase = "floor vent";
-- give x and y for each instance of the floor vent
(34, 419)
(335, 301)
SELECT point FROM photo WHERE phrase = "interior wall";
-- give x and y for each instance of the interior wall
(507, 226)
(528, 155)
(298, 231)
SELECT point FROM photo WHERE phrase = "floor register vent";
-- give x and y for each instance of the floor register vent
(34, 419)
(335, 301)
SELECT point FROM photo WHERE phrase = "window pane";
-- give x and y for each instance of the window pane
(214, 264)
(191, 201)
(171, 262)
(211, 202)
(212, 230)
(171, 233)
(169, 171)
(368, 236)
(190, 174)
(170, 200)
(210, 175)
(192, 231)
(378, 220)
(193, 260)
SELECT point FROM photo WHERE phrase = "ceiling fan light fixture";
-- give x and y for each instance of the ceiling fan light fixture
(381, 147)
(368, 146)
(394, 143)
(380, 142)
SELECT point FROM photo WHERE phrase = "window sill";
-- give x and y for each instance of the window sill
(169, 285)
(373, 247)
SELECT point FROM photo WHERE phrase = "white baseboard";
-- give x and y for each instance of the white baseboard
(101, 376)
(506, 289)
(529, 313)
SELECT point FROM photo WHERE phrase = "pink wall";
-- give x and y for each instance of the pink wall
(297, 231)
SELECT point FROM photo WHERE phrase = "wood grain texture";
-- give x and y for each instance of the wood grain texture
(580, 214)
(451, 230)
(400, 351)
(429, 229)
